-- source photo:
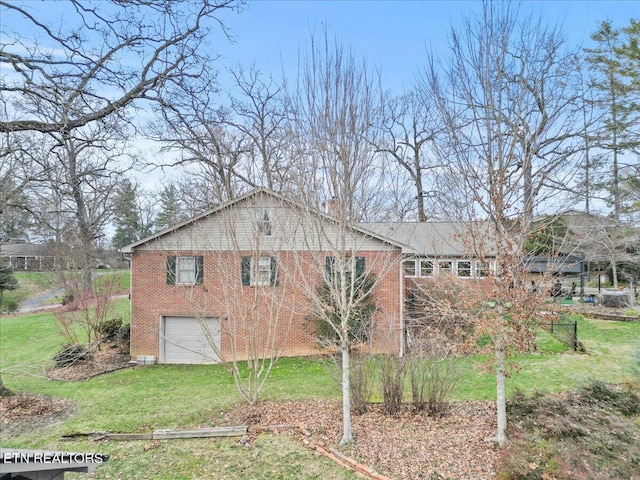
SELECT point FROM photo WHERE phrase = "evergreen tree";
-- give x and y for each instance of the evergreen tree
(614, 65)
(7, 281)
(126, 216)
(171, 211)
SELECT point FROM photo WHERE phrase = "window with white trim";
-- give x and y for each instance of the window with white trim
(258, 271)
(426, 268)
(483, 269)
(463, 268)
(185, 270)
(410, 268)
(445, 266)
(262, 271)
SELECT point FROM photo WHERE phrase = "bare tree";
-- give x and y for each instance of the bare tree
(193, 125)
(262, 113)
(109, 55)
(408, 126)
(514, 100)
(507, 108)
(335, 107)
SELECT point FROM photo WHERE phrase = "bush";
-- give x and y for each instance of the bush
(10, 305)
(392, 372)
(603, 394)
(67, 298)
(70, 354)
(322, 322)
(433, 374)
(360, 382)
(109, 329)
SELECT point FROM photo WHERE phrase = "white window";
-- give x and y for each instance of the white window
(410, 268)
(262, 271)
(445, 266)
(463, 268)
(483, 269)
(264, 221)
(426, 268)
(186, 270)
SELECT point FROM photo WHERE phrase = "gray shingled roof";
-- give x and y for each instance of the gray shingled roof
(436, 239)
(24, 250)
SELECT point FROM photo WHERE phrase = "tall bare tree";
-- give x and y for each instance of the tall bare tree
(511, 128)
(408, 126)
(261, 112)
(335, 107)
(514, 99)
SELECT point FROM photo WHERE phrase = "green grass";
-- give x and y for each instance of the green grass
(31, 284)
(175, 396)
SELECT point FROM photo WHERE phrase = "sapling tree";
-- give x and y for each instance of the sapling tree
(509, 132)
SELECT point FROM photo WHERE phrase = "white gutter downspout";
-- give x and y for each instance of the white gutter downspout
(401, 298)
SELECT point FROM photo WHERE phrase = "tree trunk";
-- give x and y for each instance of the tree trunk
(614, 273)
(347, 435)
(501, 403)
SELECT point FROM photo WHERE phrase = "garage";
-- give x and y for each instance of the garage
(183, 340)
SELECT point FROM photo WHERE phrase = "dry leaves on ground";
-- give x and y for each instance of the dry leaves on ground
(23, 412)
(409, 446)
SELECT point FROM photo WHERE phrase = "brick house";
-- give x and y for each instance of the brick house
(243, 277)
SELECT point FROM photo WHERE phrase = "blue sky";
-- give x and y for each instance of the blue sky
(391, 35)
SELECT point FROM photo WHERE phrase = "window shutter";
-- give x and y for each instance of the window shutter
(359, 267)
(246, 271)
(274, 272)
(199, 269)
(329, 261)
(171, 270)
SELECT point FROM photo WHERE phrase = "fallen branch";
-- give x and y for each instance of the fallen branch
(216, 432)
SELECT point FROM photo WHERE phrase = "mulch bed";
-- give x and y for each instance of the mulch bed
(409, 446)
(105, 360)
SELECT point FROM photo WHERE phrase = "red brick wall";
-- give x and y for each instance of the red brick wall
(222, 295)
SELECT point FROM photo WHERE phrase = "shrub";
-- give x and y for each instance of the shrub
(109, 329)
(361, 380)
(123, 337)
(434, 374)
(392, 372)
(597, 392)
(11, 305)
(323, 322)
(72, 353)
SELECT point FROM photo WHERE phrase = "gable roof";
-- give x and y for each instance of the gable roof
(260, 191)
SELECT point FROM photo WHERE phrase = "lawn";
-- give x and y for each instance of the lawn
(31, 284)
(173, 396)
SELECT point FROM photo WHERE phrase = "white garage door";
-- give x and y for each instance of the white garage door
(184, 340)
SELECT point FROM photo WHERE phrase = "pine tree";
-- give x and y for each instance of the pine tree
(126, 216)
(614, 66)
(7, 281)
(171, 211)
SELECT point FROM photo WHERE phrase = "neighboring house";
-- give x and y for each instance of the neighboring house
(253, 263)
(22, 256)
